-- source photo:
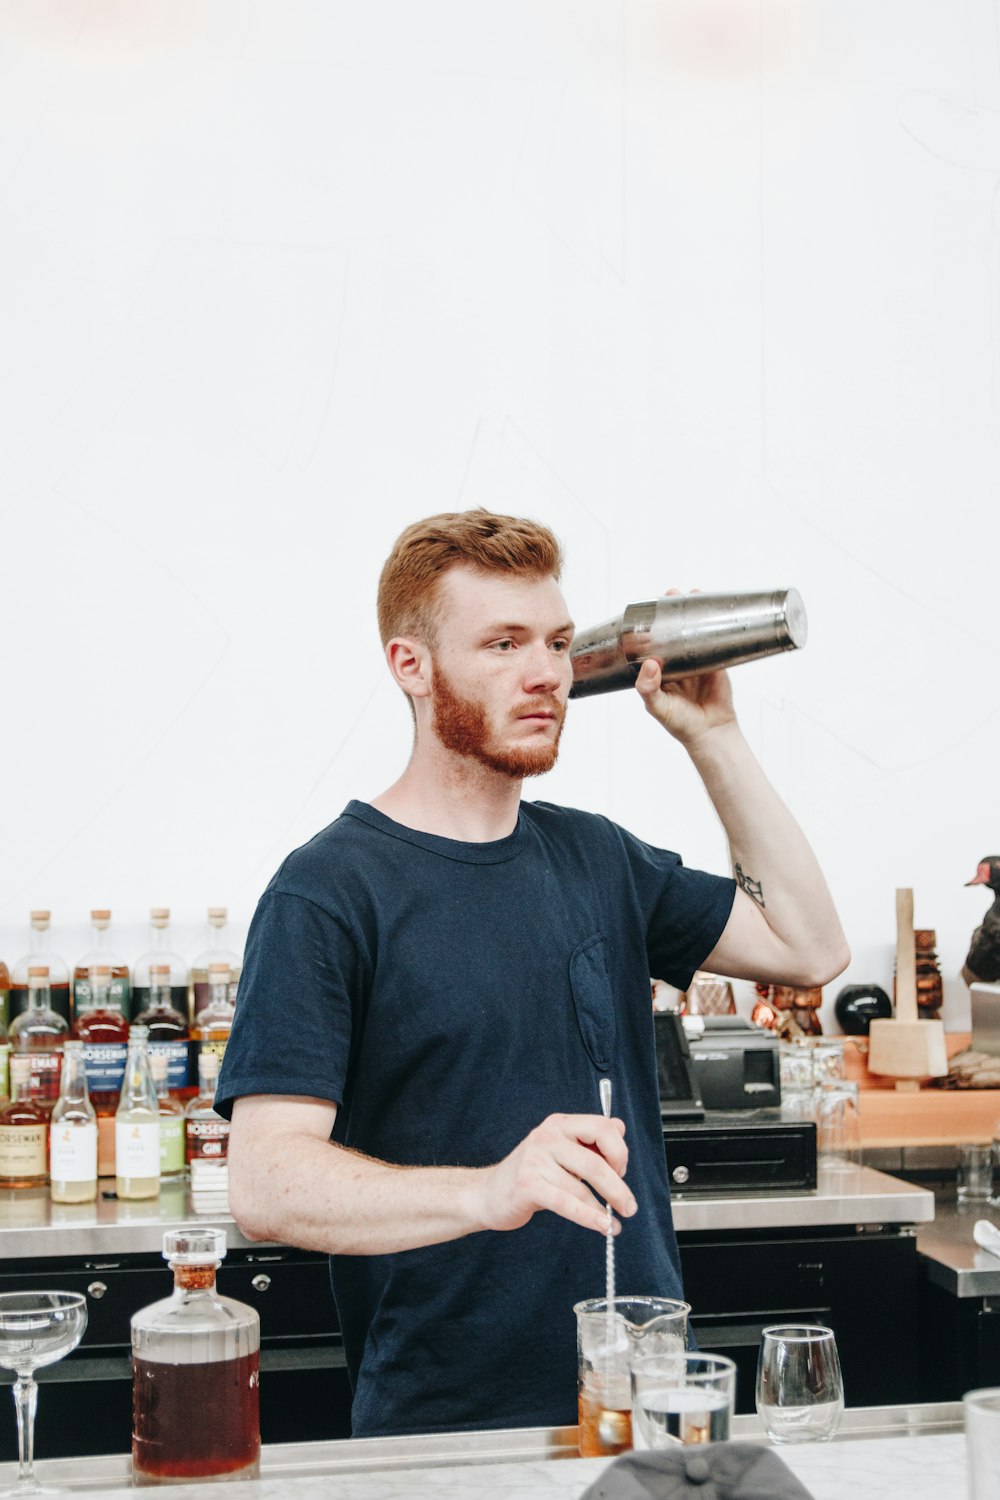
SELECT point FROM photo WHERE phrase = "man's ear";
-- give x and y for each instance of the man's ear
(410, 664)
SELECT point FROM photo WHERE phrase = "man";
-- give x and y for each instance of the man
(436, 983)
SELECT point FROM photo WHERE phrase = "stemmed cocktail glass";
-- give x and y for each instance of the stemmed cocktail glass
(36, 1328)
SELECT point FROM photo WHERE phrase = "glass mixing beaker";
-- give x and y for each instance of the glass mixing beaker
(606, 1343)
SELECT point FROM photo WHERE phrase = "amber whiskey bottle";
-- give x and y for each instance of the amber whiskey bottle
(38, 1033)
(24, 1130)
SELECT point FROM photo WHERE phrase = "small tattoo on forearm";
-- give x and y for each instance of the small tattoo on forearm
(753, 888)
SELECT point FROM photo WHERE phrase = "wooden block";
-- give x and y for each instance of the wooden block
(907, 1049)
(932, 1117)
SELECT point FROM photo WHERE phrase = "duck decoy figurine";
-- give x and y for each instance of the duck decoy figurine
(982, 964)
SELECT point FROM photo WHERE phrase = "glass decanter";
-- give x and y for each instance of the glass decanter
(195, 1373)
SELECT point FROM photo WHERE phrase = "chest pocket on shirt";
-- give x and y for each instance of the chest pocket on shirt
(595, 1012)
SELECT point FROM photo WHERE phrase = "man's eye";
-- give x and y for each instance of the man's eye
(503, 645)
(560, 645)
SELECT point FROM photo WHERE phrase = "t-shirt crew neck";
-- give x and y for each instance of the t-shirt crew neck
(490, 852)
(447, 997)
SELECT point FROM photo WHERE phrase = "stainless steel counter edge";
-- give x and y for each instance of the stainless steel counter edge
(33, 1227)
(952, 1259)
(446, 1450)
(858, 1195)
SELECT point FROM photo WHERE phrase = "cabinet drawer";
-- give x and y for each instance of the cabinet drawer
(290, 1291)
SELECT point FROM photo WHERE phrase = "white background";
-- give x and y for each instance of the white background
(710, 286)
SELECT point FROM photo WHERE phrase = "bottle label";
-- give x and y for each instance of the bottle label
(171, 1144)
(46, 1069)
(203, 993)
(137, 1148)
(207, 1139)
(118, 994)
(105, 1066)
(218, 1047)
(73, 1151)
(22, 1151)
(178, 1062)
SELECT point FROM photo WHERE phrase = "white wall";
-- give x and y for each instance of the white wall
(708, 285)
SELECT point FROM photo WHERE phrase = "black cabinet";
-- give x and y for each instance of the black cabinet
(86, 1404)
(861, 1282)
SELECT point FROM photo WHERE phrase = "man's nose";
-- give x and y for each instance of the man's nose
(545, 672)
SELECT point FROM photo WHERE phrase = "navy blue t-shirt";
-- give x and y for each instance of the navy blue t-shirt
(449, 996)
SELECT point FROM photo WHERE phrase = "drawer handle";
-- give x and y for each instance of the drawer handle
(96, 1289)
(261, 1283)
(680, 1174)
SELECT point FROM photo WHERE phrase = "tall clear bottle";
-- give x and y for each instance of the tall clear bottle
(172, 1161)
(218, 951)
(207, 1135)
(195, 1373)
(40, 953)
(73, 1134)
(137, 1125)
(100, 955)
(39, 1033)
(167, 1027)
(160, 952)
(103, 1030)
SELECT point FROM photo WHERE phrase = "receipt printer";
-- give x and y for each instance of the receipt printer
(735, 1062)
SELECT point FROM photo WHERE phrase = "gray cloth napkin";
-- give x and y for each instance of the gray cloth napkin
(717, 1471)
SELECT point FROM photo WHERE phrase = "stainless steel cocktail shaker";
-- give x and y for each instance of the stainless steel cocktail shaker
(687, 634)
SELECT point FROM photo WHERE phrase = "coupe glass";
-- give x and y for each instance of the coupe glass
(800, 1391)
(36, 1328)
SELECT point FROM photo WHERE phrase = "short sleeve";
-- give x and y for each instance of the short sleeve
(686, 911)
(301, 980)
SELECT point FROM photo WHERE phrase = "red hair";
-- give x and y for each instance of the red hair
(409, 584)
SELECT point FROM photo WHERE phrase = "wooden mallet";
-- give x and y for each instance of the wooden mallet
(907, 1048)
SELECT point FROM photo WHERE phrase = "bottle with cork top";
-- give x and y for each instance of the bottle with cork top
(41, 953)
(167, 1027)
(103, 1030)
(101, 955)
(160, 952)
(195, 1373)
(210, 1032)
(39, 1033)
(73, 1134)
(218, 951)
(24, 1132)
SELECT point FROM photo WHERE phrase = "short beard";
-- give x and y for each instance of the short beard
(461, 725)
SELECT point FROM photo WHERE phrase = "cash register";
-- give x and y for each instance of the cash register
(720, 1101)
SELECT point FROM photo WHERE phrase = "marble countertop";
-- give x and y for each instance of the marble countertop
(918, 1451)
(32, 1226)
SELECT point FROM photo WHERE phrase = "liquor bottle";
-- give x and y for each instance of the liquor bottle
(195, 1373)
(172, 1158)
(210, 1032)
(41, 953)
(24, 1132)
(160, 952)
(217, 952)
(73, 1134)
(206, 1133)
(4, 996)
(39, 1033)
(103, 1030)
(137, 1125)
(100, 955)
(167, 1027)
